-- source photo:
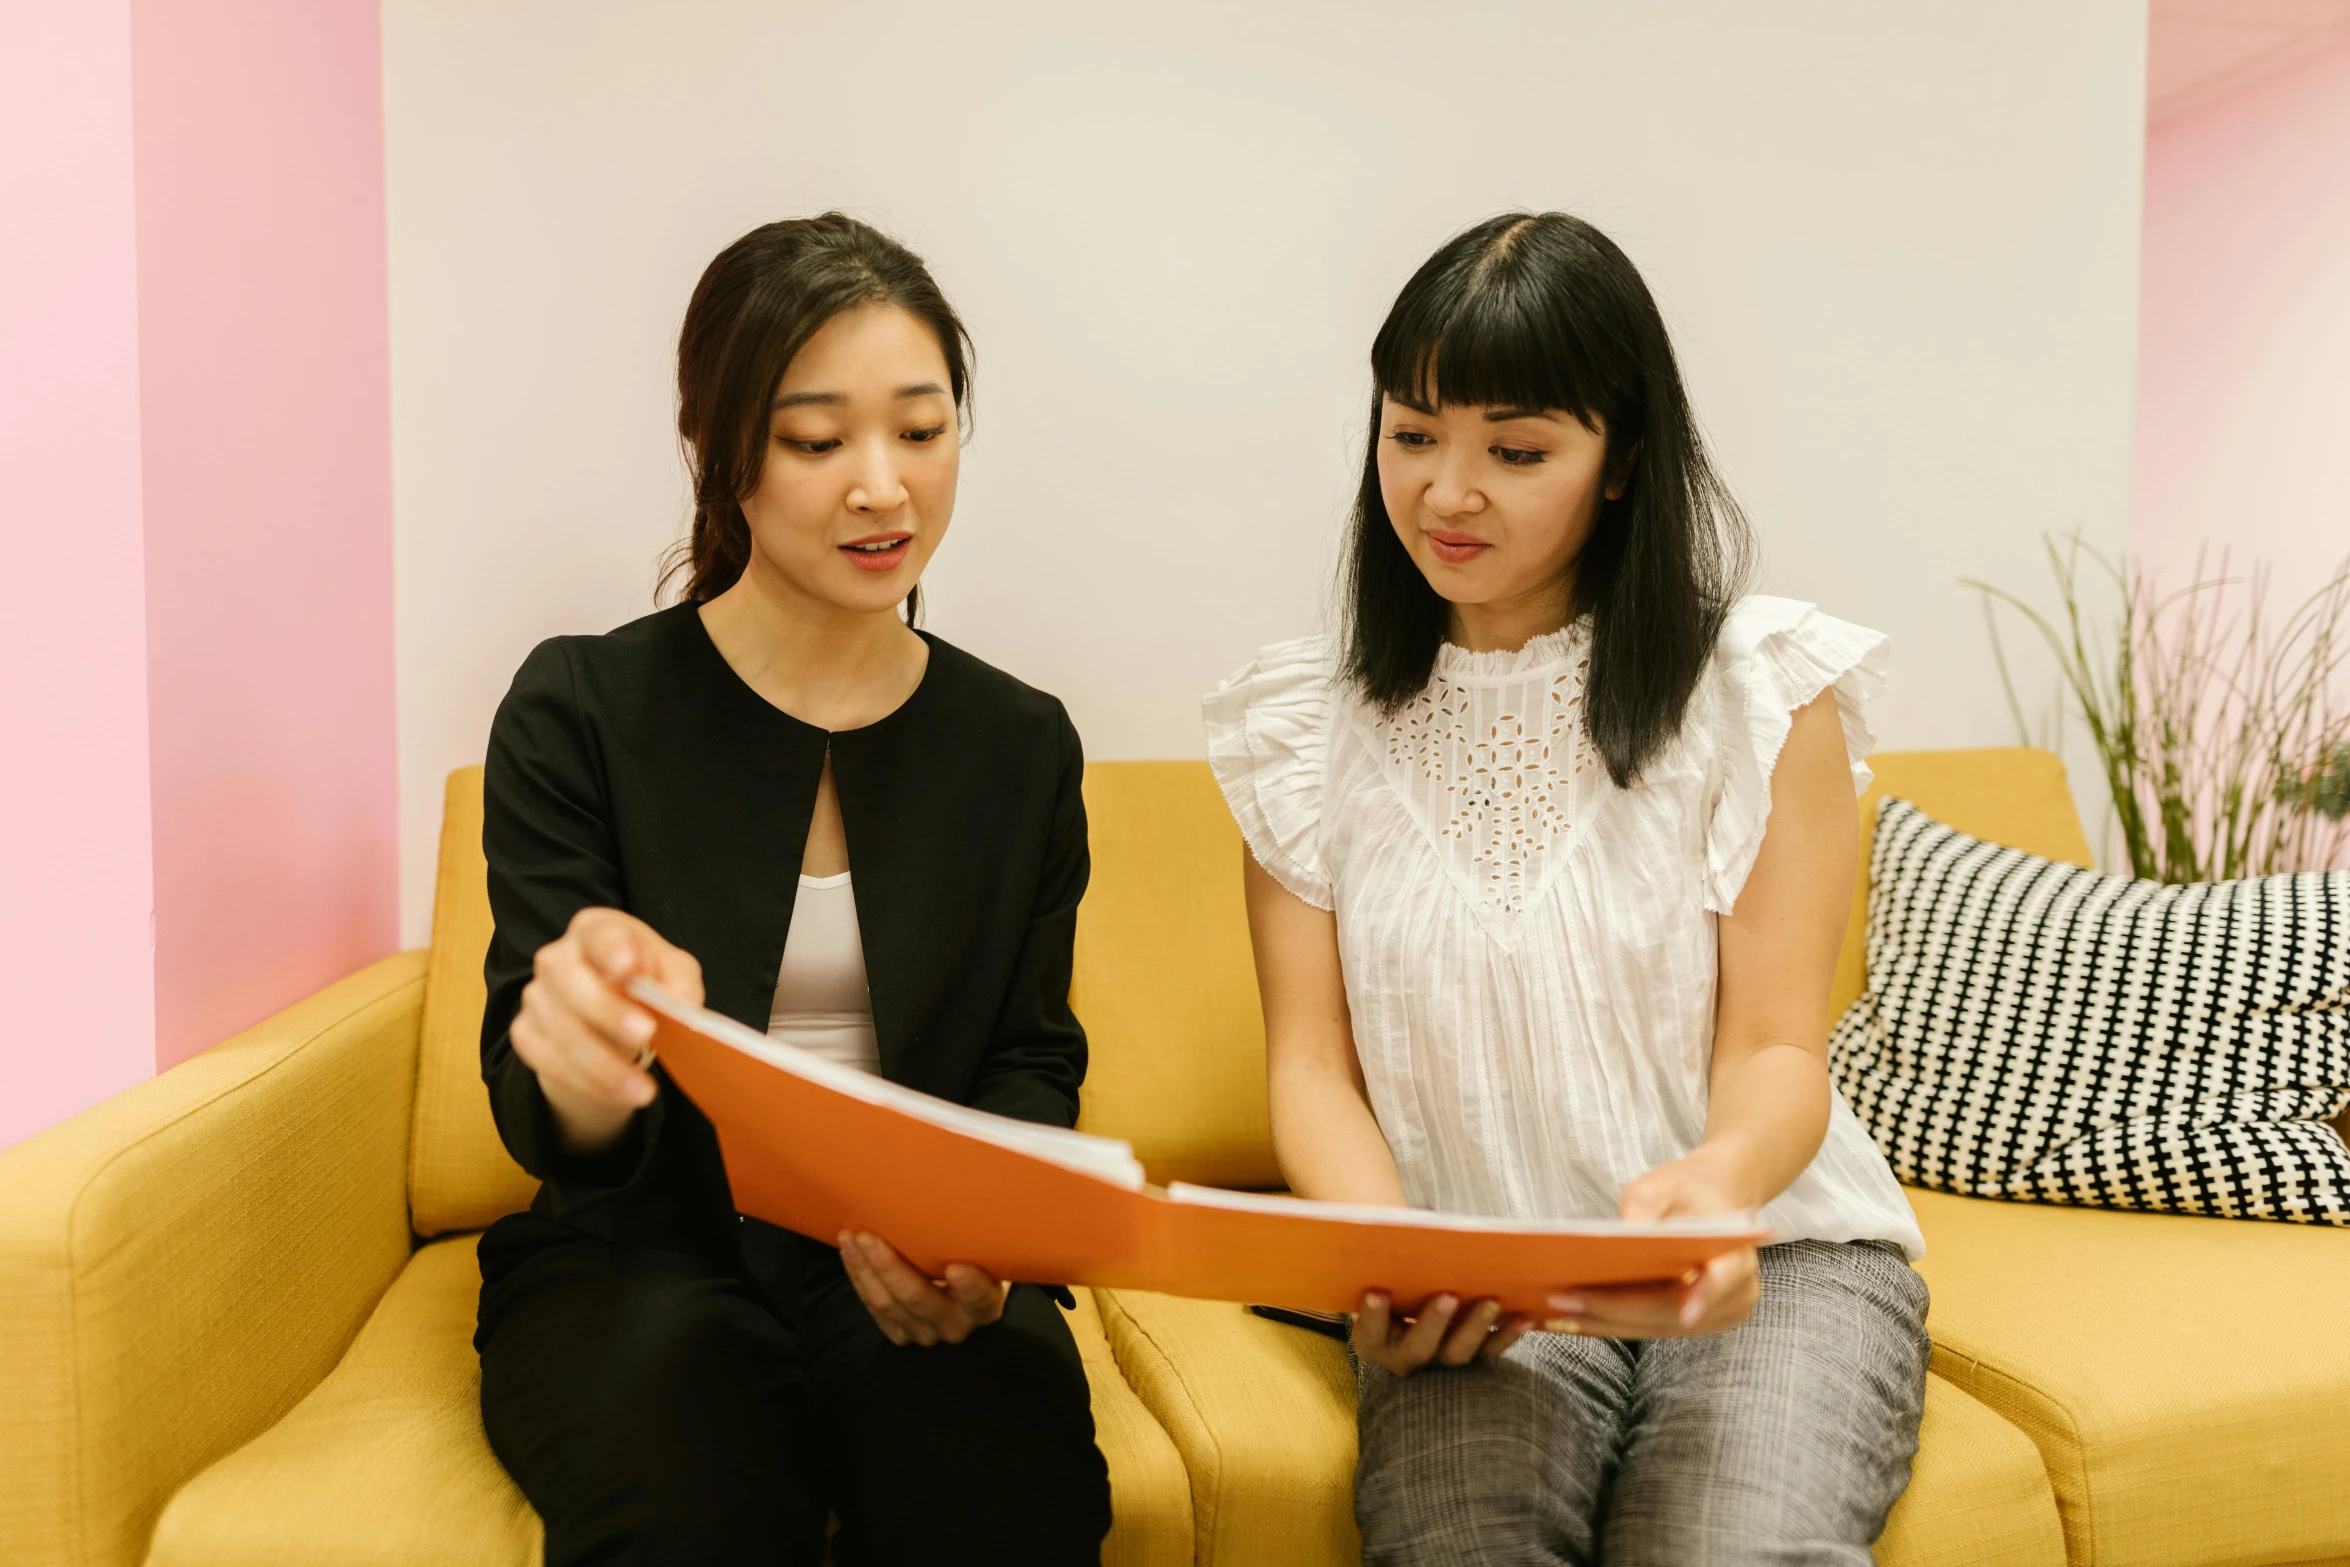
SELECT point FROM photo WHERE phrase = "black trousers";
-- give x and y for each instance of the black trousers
(657, 1411)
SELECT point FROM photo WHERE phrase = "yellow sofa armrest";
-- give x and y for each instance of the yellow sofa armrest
(180, 1264)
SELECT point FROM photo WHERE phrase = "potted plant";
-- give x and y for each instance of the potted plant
(2223, 735)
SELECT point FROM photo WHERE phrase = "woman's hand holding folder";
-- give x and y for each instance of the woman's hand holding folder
(591, 1047)
(1444, 1333)
(1704, 1300)
(588, 1042)
(910, 1307)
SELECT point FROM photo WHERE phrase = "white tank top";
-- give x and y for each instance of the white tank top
(821, 1000)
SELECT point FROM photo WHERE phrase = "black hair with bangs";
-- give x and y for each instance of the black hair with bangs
(1541, 310)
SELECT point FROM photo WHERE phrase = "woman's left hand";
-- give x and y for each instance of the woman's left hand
(1705, 1300)
(909, 1306)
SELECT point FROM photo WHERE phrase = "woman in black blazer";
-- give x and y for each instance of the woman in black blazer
(667, 1381)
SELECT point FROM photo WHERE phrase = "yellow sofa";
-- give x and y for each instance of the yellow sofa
(236, 1302)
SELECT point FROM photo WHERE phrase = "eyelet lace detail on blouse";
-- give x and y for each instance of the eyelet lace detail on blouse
(1496, 763)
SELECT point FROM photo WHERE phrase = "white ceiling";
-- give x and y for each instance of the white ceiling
(2200, 50)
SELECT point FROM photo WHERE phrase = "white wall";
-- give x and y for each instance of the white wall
(1898, 245)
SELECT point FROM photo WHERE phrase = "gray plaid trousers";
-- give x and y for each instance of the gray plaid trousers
(1785, 1440)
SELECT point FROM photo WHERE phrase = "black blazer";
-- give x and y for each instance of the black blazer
(637, 771)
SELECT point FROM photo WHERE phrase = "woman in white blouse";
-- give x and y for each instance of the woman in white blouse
(1550, 856)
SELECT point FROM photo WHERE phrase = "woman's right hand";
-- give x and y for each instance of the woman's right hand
(1444, 1333)
(577, 1029)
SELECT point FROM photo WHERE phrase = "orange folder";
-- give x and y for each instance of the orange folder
(818, 1147)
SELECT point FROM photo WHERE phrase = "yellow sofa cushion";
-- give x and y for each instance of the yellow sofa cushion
(2187, 1380)
(1165, 982)
(385, 1463)
(1978, 1493)
(181, 1264)
(460, 1176)
(1150, 1495)
(1265, 1418)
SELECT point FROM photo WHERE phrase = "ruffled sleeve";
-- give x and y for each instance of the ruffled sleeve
(1776, 656)
(1268, 737)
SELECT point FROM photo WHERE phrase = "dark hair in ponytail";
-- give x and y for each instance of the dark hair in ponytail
(756, 306)
(1542, 310)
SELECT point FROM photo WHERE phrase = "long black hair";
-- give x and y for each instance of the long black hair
(756, 306)
(1541, 310)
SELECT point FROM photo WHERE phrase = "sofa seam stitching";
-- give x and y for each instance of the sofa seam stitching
(1202, 1530)
(2066, 1427)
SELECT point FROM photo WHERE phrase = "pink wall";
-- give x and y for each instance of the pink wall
(2244, 356)
(264, 376)
(74, 841)
(197, 810)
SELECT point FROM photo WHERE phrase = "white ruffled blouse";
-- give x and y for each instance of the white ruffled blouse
(1529, 951)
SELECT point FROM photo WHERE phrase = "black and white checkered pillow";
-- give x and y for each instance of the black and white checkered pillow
(2041, 1032)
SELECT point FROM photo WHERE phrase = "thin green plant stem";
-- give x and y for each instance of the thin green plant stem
(2224, 745)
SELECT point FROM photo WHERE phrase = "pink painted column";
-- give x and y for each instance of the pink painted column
(2244, 343)
(197, 768)
(75, 890)
(265, 379)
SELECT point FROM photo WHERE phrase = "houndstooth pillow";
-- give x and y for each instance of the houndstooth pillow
(2041, 1032)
